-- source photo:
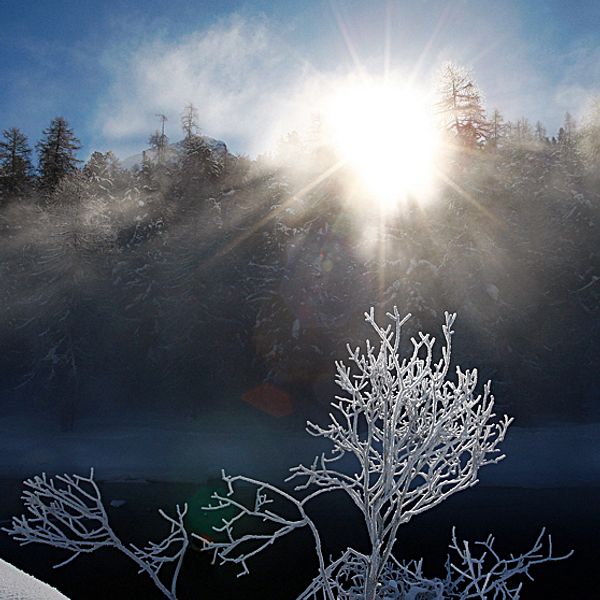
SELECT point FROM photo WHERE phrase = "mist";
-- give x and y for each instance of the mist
(176, 306)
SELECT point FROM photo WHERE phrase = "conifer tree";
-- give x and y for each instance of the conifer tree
(461, 108)
(189, 121)
(15, 164)
(568, 144)
(197, 162)
(57, 153)
(497, 128)
(159, 141)
(568, 131)
(103, 169)
(590, 135)
(540, 132)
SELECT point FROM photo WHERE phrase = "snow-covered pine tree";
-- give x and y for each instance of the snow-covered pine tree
(67, 265)
(568, 131)
(159, 141)
(569, 147)
(103, 168)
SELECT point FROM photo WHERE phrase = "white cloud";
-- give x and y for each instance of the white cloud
(241, 77)
(251, 87)
(581, 74)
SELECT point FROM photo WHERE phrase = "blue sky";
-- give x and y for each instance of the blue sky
(251, 67)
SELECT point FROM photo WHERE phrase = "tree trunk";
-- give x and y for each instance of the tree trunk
(372, 576)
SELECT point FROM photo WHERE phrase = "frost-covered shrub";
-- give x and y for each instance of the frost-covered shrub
(414, 436)
(67, 512)
(405, 436)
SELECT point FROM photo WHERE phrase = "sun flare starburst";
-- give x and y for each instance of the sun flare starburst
(387, 136)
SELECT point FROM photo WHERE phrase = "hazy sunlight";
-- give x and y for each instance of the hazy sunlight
(387, 135)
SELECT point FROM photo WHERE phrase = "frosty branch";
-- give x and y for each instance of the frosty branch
(239, 548)
(487, 575)
(67, 512)
(469, 575)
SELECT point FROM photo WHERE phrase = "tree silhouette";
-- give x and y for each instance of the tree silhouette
(57, 154)
(15, 164)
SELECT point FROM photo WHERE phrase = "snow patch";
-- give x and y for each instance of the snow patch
(17, 585)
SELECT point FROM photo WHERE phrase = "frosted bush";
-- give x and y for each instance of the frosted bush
(405, 435)
(414, 437)
(67, 512)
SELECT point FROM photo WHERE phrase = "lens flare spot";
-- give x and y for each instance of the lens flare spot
(269, 399)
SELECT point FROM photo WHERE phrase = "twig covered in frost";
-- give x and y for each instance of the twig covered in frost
(238, 548)
(67, 512)
(486, 575)
(480, 575)
(399, 581)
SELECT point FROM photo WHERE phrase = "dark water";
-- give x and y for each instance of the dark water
(514, 515)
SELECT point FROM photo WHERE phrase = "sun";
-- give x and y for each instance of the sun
(386, 134)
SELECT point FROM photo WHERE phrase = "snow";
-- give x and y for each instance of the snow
(551, 456)
(17, 585)
(493, 291)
